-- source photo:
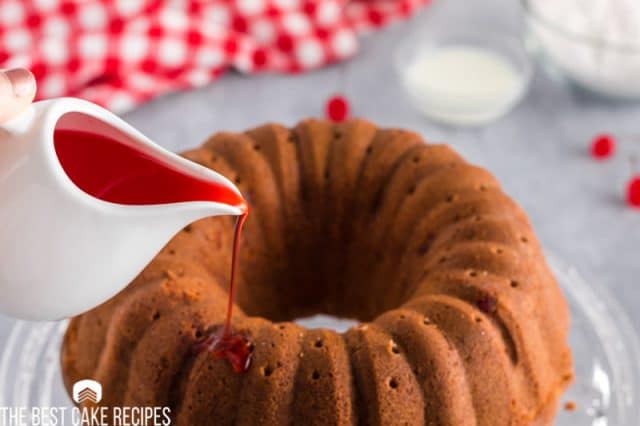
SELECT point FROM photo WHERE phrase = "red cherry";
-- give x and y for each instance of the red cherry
(337, 108)
(603, 146)
(633, 192)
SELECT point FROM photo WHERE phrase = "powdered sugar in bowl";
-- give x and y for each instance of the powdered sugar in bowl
(594, 44)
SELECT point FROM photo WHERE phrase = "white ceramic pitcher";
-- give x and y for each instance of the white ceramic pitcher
(63, 251)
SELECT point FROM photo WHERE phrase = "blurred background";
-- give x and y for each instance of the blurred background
(546, 96)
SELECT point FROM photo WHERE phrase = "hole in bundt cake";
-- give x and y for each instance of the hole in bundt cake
(315, 375)
(267, 371)
(327, 322)
(514, 283)
(318, 343)
(394, 347)
(393, 383)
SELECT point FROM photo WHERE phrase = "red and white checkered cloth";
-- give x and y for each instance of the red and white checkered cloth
(119, 53)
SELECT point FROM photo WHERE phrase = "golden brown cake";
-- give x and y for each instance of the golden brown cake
(462, 322)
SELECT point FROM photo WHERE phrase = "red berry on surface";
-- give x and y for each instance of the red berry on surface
(633, 192)
(337, 108)
(603, 146)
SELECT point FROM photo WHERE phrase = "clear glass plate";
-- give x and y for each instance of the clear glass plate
(606, 390)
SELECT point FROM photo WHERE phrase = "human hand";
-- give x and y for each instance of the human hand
(17, 90)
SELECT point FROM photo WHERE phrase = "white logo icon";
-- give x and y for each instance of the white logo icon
(87, 391)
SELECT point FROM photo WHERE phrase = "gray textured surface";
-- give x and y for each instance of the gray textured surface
(538, 152)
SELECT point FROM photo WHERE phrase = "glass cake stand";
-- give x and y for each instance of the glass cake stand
(606, 390)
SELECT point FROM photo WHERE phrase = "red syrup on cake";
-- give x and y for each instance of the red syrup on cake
(221, 341)
(114, 172)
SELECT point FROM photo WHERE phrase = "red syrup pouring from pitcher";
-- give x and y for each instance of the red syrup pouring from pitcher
(114, 172)
(222, 342)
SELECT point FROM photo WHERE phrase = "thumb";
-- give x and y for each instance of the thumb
(17, 90)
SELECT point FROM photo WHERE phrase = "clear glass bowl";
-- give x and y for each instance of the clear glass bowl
(606, 352)
(462, 109)
(605, 67)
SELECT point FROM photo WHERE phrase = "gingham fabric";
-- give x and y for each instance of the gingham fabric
(121, 53)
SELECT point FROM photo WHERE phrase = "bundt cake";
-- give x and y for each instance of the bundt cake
(461, 321)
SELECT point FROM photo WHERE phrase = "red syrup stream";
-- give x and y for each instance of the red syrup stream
(114, 172)
(221, 341)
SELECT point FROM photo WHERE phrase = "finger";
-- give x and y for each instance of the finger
(17, 90)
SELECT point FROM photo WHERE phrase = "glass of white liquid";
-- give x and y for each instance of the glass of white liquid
(463, 78)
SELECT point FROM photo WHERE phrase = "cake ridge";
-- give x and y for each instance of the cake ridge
(489, 407)
(406, 195)
(462, 412)
(383, 379)
(315, 358)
